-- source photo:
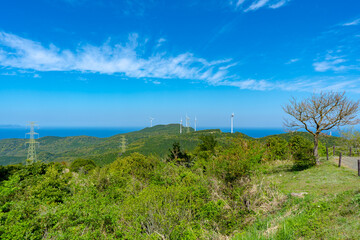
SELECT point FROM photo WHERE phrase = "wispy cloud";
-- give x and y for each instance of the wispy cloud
(126, 59)
(327, 83)
(294, 60)
(334, 65)
(239, 2)
(278, 4)
(256, 5)
(334, 62)
(301, 84)
(250, 84)
(352, 23)
(253, 5)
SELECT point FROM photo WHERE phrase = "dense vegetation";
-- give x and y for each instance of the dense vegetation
(156, 140)
(223, 186)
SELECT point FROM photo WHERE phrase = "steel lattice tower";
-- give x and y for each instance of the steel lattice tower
(31, 156)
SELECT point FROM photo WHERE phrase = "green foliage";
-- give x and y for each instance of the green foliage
(220, 193)
(350, 137)
(82, 165)
(135, 165)
(178, 156)
(277, 148)
(7, 171)
(237, 160)
(208, 143)
(302, 152)
(327, 140)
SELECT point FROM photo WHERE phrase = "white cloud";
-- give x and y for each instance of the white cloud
(333, 65)
(250, 84)
(126, 59)
(294, 60)
(302, 84)
(256, 5)
(310, 84)
(239, 2)
(353, 23)
(278, 4)
(333, 61)
(253, 5)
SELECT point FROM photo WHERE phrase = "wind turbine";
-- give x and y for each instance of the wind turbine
(187, 123)
(151, 119)
(195, 123)
(232, 123)
(180, 125)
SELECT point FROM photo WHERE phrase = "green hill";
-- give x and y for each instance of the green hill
(155, 140)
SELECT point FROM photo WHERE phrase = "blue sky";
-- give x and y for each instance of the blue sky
(116, 63)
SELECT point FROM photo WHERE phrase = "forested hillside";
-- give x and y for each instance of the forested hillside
(156, 140)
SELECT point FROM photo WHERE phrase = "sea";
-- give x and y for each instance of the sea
(102, 132)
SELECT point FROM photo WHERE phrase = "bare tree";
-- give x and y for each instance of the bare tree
(321, 112)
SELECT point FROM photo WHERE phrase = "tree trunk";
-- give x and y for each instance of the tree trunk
(316, 149)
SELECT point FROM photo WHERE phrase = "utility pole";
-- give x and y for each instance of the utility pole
(31, 156)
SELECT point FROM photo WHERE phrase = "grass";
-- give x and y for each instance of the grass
(329, 210)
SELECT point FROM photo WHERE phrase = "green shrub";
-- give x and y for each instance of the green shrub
(178, 156)
(136, 165)
(84, 165)
(208, 143)
(302, 153)
(237, 160)
(277, 148)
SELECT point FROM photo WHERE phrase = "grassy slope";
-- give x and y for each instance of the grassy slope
(330, 210)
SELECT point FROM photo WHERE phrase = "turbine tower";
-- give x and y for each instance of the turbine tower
(151, 119)
(187, 124)
(31, 156)
(180, 125)
(232, 123)
(195, 123)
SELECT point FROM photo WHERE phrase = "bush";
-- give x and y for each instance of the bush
(136, 165)
(84, 165)
(277, 148)
(178, 156)
(208, 143)
(302, 153)
(237, 160)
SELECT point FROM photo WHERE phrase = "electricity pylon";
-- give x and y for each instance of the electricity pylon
(31, 156)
